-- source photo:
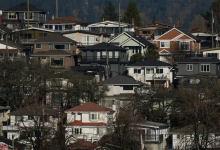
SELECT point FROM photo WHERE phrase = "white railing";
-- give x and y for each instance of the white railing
(160, 76)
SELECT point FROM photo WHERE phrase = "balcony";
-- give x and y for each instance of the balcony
(9, 128)
(101, 59)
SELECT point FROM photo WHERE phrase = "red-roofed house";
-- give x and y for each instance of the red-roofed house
(176, 43)
(88, 121)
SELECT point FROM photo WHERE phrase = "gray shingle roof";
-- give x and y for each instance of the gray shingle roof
(150, 62)
(55, 38)
(199, 60)
(23, 7)
(141, 39)
(104, 46)
(4, 29)
(51, 52)
(122, 80)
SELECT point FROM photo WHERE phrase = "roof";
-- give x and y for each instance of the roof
(86, 32)
(87, 68)
(149, 62)
(189, 34)
(13, 44)
(66, 19)
(105, 24)
(122, 80)
(199, 60)
(79, 123)
(4, 29)
(55, 38)
(33, 28)
(104, 46)
(4, 107)
(89, 106)
(141, 39)
(211, 49)
(82, 144)
(51, 52)
(34, 109)
(9, 143)
(23, 7)
(153, 124)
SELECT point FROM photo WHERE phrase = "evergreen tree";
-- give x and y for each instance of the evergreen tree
(109, 12)
(132, 12)
(154, 19)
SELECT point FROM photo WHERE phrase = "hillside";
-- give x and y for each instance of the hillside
(167, 11)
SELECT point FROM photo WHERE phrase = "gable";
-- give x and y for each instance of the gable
(184, 38)
(164, 51)
(120, 39)
(130, 42)
(169, 35)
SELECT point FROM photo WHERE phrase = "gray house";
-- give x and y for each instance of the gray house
(206, 66)
(113, 58)
(17, 17)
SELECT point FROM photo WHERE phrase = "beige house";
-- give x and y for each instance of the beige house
(4, 116)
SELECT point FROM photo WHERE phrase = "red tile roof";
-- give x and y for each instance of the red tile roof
(79, 123)
(90, 106)
(66, 19)
(82, 144)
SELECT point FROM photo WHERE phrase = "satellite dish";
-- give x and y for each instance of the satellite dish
(98, 39)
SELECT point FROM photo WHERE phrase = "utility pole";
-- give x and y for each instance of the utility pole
(13, 142)
(56, 8)
(107, 64)
(119, 18)
(28, 12)
(212, 30)
(6, 44)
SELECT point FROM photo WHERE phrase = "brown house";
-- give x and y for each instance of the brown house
(56, 50)
(176, 43)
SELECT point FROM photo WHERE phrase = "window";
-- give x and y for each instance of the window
(57, 61)
(51, 46)
(205, 68)
(116, 54)
(61, 46)
(149, 70)
(68, 27)
(212, 55)
(56, 83)
(78, 131)
(1, 54)
(127, 87)
(58, 27)
(94, 116)
(67, 46)
(146, 32)
(159, 71)
(30, 117)
(57, 99)
(103, 54)
(38, 45)
(12, 16)
(26, 36)
(137, 71)
(189, 67)
(42, 34)
(48, 26)
(184, 46)
(30, 16)
(165, 44)
(88, 40)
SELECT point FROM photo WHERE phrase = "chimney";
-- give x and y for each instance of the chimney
(171, 61)
(0, 17)
(178, 24)
(132, 21)
(53, 17)
(137, 32)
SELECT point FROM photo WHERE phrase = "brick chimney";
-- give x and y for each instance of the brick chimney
(137, 32)
(132, 21)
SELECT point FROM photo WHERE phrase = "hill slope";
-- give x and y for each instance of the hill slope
(167, 11)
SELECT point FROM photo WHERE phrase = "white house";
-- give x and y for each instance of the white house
(27, 119)
(151, 72)
(134, 44)
(88, 121)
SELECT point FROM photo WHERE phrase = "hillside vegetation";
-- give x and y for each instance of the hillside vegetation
(167, 11)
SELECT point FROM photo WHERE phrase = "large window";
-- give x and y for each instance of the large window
(149, 70)
(137, 71)
(30, 15)
(88, 40)
(159, 71)
(165, 44)
(58, 27)
(78, 130)
(56, 61)
(94, 116)
(116, 54)
(205, 68)
(59, 46)
(68, 27)
(184, 46)
(48, 26)
(12, 16)
(189, 67)
(38, 46)
(127, 87)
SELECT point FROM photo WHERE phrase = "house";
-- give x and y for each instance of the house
(211, 52)
(88, 121)
(208, 66)
(56, 50)
(113, 58)
(111, 27)
(120, 90)
(151, 72)
(4, 116)
(6, 144)
(30, 119)
(134, 44)
(12, 50)
(154, 30)
(82, 144)
(66, 23)
(176, 43)
(16, 17)
(28, 35)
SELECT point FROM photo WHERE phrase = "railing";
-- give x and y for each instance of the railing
(92, 58)
(9, 128)
(160, 77)
(27, 40)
